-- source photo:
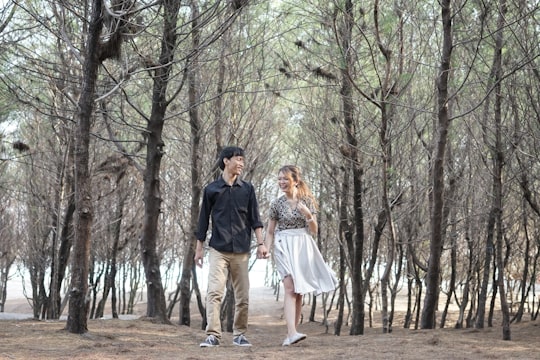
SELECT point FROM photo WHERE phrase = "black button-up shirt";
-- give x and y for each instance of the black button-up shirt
(235, 213)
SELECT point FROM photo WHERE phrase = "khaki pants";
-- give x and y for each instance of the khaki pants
(221, 264)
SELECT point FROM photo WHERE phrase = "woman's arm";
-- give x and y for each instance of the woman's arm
(311, 218)
(270, 230)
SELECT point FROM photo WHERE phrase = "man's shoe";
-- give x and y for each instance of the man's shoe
(210, 341)
(241, 340)
(294, 339)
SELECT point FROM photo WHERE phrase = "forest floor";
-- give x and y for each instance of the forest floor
(139, 339)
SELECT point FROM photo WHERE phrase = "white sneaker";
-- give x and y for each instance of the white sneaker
(294, 339)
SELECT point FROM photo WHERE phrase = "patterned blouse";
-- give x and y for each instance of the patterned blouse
(286, 216)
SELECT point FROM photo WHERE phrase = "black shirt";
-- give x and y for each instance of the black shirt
(235, 212)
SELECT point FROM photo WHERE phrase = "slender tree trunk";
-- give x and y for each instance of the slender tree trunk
(313, 309)
(431, 299)
(484, 285)
(195, 127)
(467, 285)
(499, 164)
(66, 241)
(342, 289)
(6, 260)
(418, 301)
(78, 310)
(386, 168)
(110, 270)
(449, 216)
(345, 234)
(156, 305)
(408, 313)
(356, 244)
(453, 270)
(53, 301)
(396, 288)
(495, 218)
(524, 276)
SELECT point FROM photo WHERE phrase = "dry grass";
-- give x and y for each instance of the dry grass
(139, 339)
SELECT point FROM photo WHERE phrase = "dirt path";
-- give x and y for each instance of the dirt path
(138, 339)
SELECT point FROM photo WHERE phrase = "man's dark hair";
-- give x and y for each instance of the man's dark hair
(229, 152)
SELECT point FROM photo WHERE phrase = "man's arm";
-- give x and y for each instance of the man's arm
(202, 228)
(199, 253)
(262, 250)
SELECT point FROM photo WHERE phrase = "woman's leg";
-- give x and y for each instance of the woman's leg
(299, 299)
(290, 306)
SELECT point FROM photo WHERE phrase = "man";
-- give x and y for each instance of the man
(233, 207)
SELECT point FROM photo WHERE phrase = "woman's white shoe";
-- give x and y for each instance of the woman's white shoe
(294, 339)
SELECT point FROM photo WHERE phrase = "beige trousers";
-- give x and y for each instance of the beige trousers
(220, 265)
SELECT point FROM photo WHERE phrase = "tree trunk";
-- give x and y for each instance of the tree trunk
(431, 299)
(469, 276)
(6, 260)
(495, 218)
(498, 169)
(342, 289)
(350, 150)
(53, 301)
(453, 265)
(156, 305)
(396, 288)
(110, 270)
(345, 234)
(198, 296)
(78, 310)
(409, 311)
(66, 241)
(386, 168)
(195, 127)
(450, 214)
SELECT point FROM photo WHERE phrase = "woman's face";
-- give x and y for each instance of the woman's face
(285, 182)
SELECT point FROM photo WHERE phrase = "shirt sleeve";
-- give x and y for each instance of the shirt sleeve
(204, 217)
(273, 212)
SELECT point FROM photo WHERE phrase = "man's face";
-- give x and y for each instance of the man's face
(234, 165)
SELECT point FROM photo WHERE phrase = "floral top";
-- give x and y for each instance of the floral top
(288, 217)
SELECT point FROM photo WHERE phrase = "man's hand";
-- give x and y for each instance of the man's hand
(262, 252)
(199, 254)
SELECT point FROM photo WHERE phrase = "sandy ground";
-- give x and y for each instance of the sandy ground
(22, 338)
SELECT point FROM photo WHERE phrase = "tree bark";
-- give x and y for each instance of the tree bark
(498, 169)
(66, 241)
(156, 305)
(78, 310)
(195, 127)
(345, 234)
(355, 241)
(434, 266)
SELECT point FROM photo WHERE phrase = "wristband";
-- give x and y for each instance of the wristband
(261, 244)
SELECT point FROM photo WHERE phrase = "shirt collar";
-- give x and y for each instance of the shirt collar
(237, 182)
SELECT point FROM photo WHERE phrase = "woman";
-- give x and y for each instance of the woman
(299, 262)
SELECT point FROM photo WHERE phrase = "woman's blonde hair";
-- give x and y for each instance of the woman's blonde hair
(304, 193)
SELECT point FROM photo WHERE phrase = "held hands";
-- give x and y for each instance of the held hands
(262, 251)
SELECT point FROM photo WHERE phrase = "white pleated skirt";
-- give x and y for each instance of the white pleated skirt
(297, 255)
